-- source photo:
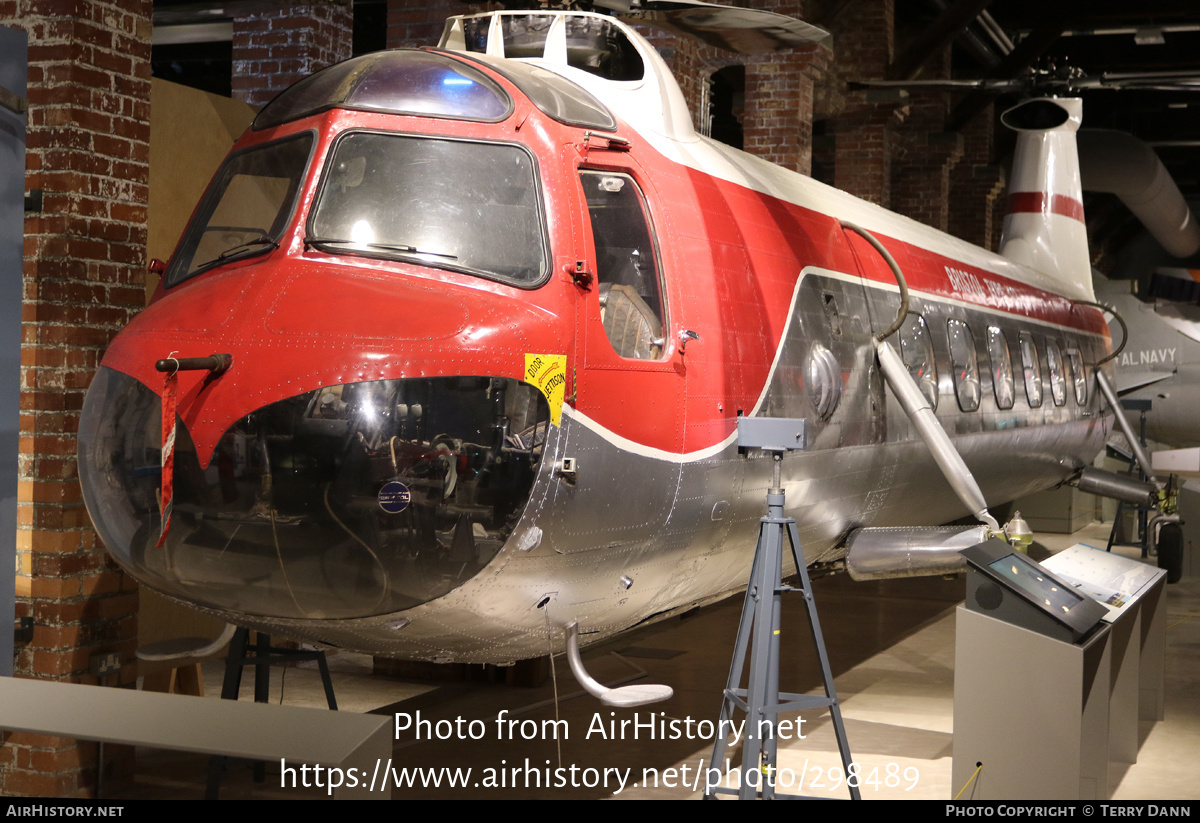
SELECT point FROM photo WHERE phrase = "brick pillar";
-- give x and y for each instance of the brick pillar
(924, 156)
(976, 184)
(779, 105)
(778, 115)
(87, 152)
(414, 24)
(862, 122)
(863, 153)
(274, 48)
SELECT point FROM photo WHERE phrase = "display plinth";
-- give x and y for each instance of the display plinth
(1032, 710)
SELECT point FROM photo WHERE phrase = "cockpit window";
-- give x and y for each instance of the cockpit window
(246, 209)
(397, 82)
(454, 204)
(557, 96)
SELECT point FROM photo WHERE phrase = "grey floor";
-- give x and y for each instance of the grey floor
(892, 651)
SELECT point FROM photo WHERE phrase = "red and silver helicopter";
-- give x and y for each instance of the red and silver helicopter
(485, 317)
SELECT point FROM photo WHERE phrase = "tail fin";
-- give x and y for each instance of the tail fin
(1044, 228)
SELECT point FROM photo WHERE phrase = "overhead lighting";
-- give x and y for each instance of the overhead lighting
(193, 33)
(1149, 36)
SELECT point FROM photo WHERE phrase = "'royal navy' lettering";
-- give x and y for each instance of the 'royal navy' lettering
(1148, 357)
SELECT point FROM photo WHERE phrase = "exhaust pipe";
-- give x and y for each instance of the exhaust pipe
(1116, 486)
(889, 553)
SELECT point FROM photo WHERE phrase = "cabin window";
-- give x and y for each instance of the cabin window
(1078, 375)
(1032, 369)
(451, 204)
(626, 265)
(965, 364)
(1058, 380)
(916, 349)
(1002, 371)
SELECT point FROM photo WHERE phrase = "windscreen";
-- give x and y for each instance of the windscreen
(247, 207)
(461, 205)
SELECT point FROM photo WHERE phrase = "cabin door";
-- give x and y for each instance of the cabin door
(630, 383)
(628, 393)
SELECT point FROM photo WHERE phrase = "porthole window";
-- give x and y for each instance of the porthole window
(822, 380)
(1032, 369)
(1002, 371)
(1058, 380)
(965, 365)
(916, 349)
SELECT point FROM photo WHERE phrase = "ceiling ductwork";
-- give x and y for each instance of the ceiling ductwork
(1121, 164)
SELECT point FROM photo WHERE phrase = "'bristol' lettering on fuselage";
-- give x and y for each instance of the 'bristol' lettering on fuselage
(965, 282)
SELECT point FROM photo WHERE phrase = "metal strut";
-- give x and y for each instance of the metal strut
(759, 632)
(1135, 444)
(914, 403)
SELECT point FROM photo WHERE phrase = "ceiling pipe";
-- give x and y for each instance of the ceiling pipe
(1121, 164)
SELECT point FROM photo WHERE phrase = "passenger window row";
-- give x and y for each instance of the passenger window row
(916, 349)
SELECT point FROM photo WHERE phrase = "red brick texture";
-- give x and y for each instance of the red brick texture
(779, 106)
(779, 95)
(414, 24)
(923, 155)
(275, 47)
(976, 185)
(863, 37)
(87, 150)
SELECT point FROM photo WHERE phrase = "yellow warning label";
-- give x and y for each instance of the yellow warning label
(549, 373)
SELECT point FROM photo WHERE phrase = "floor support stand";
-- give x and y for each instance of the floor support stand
(759, 633)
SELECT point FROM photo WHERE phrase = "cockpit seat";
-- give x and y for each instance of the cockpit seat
(631, 325)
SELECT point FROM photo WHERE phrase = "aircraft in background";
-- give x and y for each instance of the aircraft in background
(1160, 363)
(483, 319)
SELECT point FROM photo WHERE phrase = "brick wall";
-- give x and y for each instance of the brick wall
(275, 47)
(779, 105)
(779, 95)
(862, 126)
(976, 184)
(87, 151)
(923, 155)
(419, 23)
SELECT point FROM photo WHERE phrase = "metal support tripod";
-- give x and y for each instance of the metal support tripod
(759, 631)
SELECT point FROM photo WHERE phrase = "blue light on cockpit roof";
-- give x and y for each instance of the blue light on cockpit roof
(400, 82)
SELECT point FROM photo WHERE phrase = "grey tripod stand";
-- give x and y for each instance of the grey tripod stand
(759, 632)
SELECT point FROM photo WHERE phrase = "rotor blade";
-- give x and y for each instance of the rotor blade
(1154, 80)
(746, 31)
(997, 86)
(1163, 76)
